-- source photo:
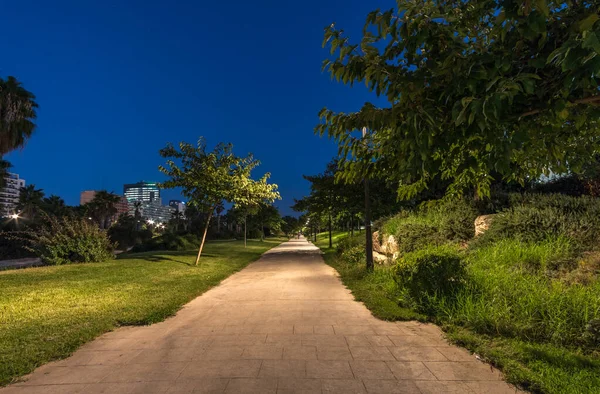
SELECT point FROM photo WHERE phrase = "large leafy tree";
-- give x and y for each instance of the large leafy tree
(473, 89)
(208, 178)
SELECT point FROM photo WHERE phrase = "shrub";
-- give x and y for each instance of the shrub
(351, 242)
(534, 218)
(168, 241)
(431, 272)
(454, 218)
(415, 236)
(354, 255)
(67, 240)
(124, 233)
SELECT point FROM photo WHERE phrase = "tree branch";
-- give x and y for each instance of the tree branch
(587, 100)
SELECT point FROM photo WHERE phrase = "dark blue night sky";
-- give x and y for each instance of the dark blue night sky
(115, 82)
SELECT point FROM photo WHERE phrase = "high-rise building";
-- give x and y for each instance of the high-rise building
(9, 195)
(86, 196)
(142, 191)
(178, 205)
(153, 211)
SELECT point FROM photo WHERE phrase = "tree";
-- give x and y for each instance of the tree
(17, 115)
(30, 201)
(474, 89)
(325, 196)
(210, 178)
(4, 166)
(55, 205)
(268, 216)
(290, 226)
(253, 194)
(103, 208)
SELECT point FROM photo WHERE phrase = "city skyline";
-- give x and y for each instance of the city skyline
(111, 98)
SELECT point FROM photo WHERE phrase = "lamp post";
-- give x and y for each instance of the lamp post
(369, 237)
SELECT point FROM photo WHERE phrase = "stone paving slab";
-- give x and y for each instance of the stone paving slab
(284, 324)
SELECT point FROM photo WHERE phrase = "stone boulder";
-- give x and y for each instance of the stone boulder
(376, 243)
(482, 223)
(380, 258)
(390, 246)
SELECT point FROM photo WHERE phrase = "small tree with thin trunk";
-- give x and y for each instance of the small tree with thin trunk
(206, 178)
(251, 194)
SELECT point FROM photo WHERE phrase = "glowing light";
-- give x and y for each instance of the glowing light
(150, 221)
(14, 216)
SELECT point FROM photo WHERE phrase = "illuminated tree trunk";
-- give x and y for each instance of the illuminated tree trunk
(204, 236)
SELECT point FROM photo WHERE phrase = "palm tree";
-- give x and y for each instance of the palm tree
(30, 201)
(17, 113)
(4, 166)
(55, 205)
(103, 207)
(137, 214)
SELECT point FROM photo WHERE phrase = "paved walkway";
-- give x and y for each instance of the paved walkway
(285, 324)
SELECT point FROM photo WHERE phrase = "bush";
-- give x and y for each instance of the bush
(169, 241)
(67, 240)
(354, 255)
(124, 233)
(431, 272)
(534, 218)
(351, 242)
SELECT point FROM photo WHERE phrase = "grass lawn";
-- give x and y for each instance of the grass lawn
(539, 367)
(47, 313)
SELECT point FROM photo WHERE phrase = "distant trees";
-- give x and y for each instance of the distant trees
(477, 92)
(102, 209)
(31, 201)
(290, 226)
(210, 178)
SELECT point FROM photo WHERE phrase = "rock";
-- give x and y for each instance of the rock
(482, 223)
(390, 246)
(380, 258)
(376, 243)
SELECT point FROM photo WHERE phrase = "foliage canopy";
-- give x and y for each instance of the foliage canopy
(474, 88)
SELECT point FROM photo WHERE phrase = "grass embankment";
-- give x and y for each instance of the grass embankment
(47, 313)
(529, 301)
(377, 290)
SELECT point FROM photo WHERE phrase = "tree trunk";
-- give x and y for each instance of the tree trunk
(330, 240)
(352, 225)
(369, 237)
(219, 224)
(204, 237)
(245, 229)
(262, 232)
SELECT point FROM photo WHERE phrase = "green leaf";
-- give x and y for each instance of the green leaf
(593, 42)
(588, 22)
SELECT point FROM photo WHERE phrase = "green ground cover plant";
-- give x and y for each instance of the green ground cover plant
(525, 296)
(47, 313)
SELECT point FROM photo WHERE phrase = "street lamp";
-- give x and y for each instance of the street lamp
(369, 246)
(14, 216)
